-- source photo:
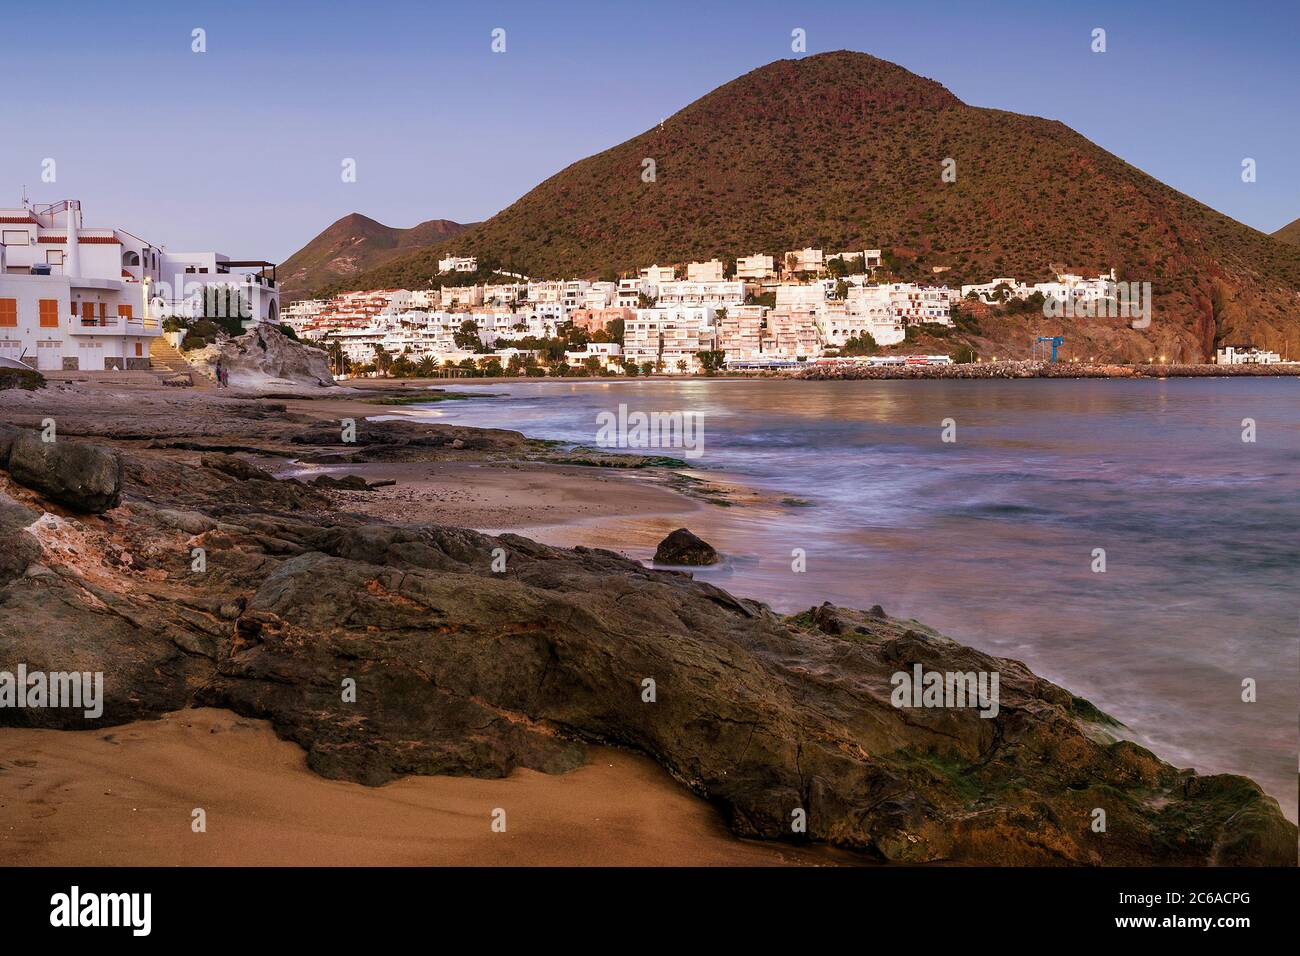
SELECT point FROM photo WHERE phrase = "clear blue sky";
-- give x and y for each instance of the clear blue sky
(239, 148)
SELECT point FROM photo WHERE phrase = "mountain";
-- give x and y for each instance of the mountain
(351, 246)
(845, 151)
(1289, 233)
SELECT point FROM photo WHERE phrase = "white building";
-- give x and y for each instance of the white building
(997, 290)
(755, 268)
(801, 297)
(717, 294)
(458, 264)
(803, 261)
(710, 271)
(599, 295)
(657, 274)
(461, 296)
(791, 335)
(740, 333)
(607, 354)
(92, 299)
(574, 292)
(670, 338)
(631, 290)
(1231, 355)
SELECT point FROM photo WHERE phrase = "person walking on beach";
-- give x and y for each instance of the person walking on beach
(221, 375)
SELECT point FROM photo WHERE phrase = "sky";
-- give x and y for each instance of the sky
(241, 148)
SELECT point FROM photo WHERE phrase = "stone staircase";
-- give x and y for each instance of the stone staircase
(165, 361)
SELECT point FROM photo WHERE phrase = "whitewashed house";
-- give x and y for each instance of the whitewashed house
(80, 298)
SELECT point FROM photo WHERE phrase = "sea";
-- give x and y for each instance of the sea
(1135, 541)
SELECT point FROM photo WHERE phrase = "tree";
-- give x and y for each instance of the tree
(615, 331)
(592, 365)
(647, 368)
(466, 337)
(681, 365)
(338, 359)
(383, 361)
(426, 367)
(631, 369)
(710, 360)
(862, 344)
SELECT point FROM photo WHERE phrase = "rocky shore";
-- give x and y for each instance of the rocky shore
(978, 370)
(386, 649)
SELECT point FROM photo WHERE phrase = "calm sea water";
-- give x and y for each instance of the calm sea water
(991, 538)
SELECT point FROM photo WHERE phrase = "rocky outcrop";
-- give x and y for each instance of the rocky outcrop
(264, 358)
(77, 475)
(684, 548)
(385, 650)
(342, 483)
(20, 377)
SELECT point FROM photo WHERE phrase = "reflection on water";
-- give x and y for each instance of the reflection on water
(991, 538)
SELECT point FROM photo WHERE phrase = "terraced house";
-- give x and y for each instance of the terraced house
(74, 298)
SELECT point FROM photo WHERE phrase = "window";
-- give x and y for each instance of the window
(9, 313)
(49, 313)
(124, 312)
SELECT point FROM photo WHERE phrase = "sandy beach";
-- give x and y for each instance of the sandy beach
(125, 797)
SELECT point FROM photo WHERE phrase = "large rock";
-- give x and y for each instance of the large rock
(265, 358)
(80, 476)
(18, 549)
(463, 669)
(683, 547)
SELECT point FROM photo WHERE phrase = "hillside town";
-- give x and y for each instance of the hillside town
(754, 312)
(77, 298)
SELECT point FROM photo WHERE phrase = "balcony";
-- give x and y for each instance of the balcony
(113, 325)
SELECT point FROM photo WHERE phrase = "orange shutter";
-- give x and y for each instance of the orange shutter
(124, 311)
(9, 313)
(103, 313)
(139, 349)
(87, 313)
(49, 313)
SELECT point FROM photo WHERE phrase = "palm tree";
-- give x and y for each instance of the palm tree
(338, 361)
(382, 360)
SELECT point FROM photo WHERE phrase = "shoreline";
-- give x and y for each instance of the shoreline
(451, 483)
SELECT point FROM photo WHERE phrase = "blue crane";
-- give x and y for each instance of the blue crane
(1056, 340)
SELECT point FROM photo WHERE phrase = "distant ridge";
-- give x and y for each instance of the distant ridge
(1289, 233)
(845, 151)
(353, 245)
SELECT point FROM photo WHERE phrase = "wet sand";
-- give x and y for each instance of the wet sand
(125, 797)
(506, 496)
